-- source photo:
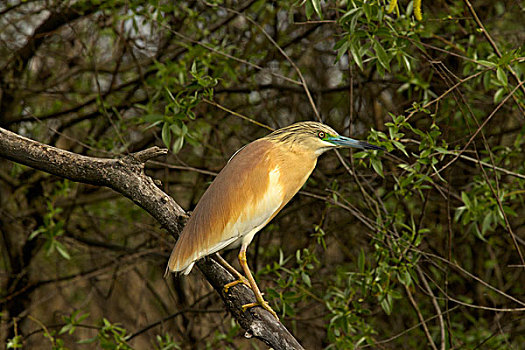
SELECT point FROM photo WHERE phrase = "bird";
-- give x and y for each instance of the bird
(256, 183)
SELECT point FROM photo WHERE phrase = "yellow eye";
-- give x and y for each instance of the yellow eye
(321, 134)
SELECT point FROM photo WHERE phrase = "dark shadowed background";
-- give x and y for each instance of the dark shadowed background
(418, 248)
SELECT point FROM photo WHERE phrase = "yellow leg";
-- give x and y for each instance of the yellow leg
(231, 269)
(258, 295)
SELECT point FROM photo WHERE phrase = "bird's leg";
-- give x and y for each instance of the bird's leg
(258, 295)
(231, 269)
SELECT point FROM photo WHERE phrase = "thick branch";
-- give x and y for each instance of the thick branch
(126, 176)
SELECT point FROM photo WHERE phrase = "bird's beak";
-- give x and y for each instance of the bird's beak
(343, 141)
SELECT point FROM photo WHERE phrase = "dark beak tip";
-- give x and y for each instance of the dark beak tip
(367, 145)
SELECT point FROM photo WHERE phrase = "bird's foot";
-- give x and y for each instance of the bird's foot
(262, 303)
(241, 279)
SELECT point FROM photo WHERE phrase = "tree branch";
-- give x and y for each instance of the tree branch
(20, 59)
(126, 176)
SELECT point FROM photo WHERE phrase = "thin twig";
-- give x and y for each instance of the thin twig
(474, 277)
(421, 319)
(436, 306)
(409, 329)
(479, 129)
(297, 70)
(213, 103)
(212, 49)
(492, 42)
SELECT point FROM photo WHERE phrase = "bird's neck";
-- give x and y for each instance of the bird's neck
(296, 150)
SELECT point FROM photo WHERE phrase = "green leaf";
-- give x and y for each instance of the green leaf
(406, 62)
(62, 250)
(425, 153)
(317, 7)
(498, 96)
(14, 343)
(400, 147)
(306, 279)
(356, 55)
(386, 304)
(309, 9)
(459, 212)
(350, 13)
(65, 329)
(405, 167)
(88, 341)
(382, 55)
(405, 278)
(378, 166)
(36, 233)
(153, 117)
(502, 77)
(465, 199)
(478, 233)
(361, 261)
(166, 134)
(392, 6)
(342, 47)
(367, 8)
(177, 144)
(361, 155)
(509, 211)
(486, 63)
(487, 223)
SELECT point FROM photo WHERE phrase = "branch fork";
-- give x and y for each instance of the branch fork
(126, 176)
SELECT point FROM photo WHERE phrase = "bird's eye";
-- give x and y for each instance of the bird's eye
(321, 134)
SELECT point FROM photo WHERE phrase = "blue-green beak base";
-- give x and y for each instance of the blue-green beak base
(343, 141)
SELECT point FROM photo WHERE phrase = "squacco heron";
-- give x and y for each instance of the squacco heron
(251, 189)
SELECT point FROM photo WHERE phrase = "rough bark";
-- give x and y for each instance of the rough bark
(126, 176)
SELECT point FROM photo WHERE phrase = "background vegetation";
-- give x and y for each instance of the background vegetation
(421, 247)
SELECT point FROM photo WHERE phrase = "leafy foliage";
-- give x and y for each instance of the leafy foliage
(418, 247)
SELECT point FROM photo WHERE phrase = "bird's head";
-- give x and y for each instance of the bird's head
(316, 137)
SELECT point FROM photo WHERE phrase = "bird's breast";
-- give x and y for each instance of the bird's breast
(258, 212)
(250, 190)
(294, 167)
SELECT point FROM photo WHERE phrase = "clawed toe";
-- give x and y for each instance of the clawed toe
(236, 282)
(264, 304)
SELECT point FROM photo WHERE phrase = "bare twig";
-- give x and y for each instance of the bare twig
(421, 318)
(253, 121)
(492, 42)
(436, 306)
(292, 63)
(469, 274)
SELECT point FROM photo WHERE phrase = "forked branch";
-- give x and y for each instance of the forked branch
(126, 176)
